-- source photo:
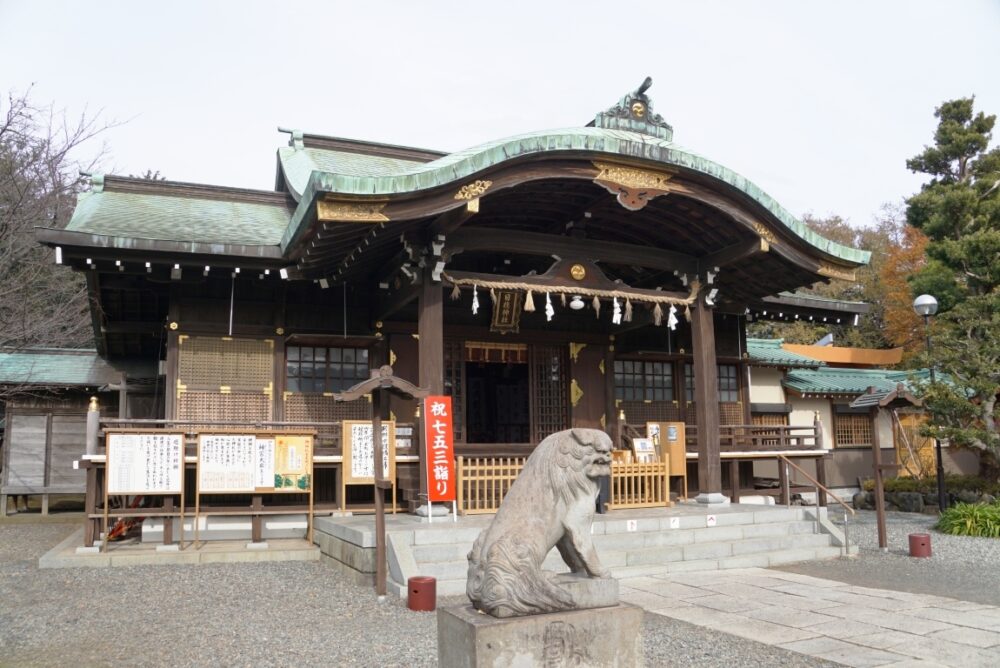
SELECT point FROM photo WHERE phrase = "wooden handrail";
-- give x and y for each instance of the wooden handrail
(816, 483)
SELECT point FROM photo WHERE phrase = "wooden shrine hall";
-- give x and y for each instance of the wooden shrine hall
(597, 276)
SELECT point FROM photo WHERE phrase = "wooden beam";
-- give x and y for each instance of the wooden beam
(532, 243)
(449, 221)
(731, 254)
(392, 303)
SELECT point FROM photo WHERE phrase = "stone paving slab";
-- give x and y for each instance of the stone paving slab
(834, 621)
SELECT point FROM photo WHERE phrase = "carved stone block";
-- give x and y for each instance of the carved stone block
(593, 637)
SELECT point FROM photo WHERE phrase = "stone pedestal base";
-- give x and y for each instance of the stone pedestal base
(712, 498)
(593, 637)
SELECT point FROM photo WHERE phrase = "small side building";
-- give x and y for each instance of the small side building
(46, 393)
(801, 385)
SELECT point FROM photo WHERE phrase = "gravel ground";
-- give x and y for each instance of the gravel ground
(961, 567)
(290, 613)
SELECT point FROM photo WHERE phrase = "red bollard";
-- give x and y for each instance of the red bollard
(920, 545)
(421, 593)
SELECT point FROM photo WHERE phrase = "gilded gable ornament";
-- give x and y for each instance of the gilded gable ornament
(634, 186)
(471, 191)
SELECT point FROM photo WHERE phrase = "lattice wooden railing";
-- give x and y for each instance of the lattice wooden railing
(484, 481)
(639, 485)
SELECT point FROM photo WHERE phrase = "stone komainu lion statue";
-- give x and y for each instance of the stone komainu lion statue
(551, 504)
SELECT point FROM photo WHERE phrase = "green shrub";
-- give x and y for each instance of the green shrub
(971, 519)
(953, 484)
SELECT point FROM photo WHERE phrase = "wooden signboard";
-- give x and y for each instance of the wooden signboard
(671, 444)
(359, 455)
(254, 463)
(146, 464)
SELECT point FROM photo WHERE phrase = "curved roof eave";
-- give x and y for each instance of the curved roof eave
(601, 142)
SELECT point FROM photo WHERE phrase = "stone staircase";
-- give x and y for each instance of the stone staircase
(641, 545)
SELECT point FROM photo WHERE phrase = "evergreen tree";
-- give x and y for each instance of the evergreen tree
(959, 212)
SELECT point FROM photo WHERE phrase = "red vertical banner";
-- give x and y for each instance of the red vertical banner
(438, 435)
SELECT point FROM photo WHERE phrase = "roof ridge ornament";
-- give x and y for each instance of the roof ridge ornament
(634, 113)
(295, 138)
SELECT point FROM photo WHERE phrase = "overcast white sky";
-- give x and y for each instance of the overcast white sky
(819, 103)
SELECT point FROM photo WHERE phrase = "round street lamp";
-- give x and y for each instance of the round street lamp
(926, 306)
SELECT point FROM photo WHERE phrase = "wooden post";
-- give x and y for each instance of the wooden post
(821, 479)
(380, 485)
(883, 540)
(257, 521)
(734, 479)
(783, 481)
(706, 396)
(168, 520)
(430, 344)
(90, 506)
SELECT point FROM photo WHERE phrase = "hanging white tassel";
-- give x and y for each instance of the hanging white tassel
(672, 317)
(616, 313)
(549, 311)
(529, 303)
(475, 301)
(628, 310)
(456, 293)
(493, 295)
(562, 298)
(657, 315)
(597, 307)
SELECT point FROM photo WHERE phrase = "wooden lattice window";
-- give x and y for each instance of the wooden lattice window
(454, 386)
(319, 369)
(644, 381)
(549, 395)
(852, 429)
(728, 380)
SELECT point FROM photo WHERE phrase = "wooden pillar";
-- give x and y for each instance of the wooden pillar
(883, 540)
(734, 479)
(430, 353)
(706, 396)
(610, 414)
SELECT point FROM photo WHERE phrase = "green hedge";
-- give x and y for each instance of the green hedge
(971, 519)
(953, 484)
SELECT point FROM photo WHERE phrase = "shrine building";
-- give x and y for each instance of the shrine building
(597, 276)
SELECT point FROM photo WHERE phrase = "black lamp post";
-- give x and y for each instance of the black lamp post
(926, 306)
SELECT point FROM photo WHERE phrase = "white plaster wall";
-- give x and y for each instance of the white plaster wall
(883, 423)
(765, 386)
(804, 413)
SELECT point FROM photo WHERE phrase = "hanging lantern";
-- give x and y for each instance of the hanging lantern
(577, 303)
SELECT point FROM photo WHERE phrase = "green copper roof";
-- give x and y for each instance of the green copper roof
(768, 352)
(65, 367)
(850, 382)
(595, 141)
(178, 218)
(298, 164)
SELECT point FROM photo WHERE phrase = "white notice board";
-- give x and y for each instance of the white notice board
(359, 450)
(145, 463)
(234, 463)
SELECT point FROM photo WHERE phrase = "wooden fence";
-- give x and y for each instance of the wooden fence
(639, 485)
(484, 481)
